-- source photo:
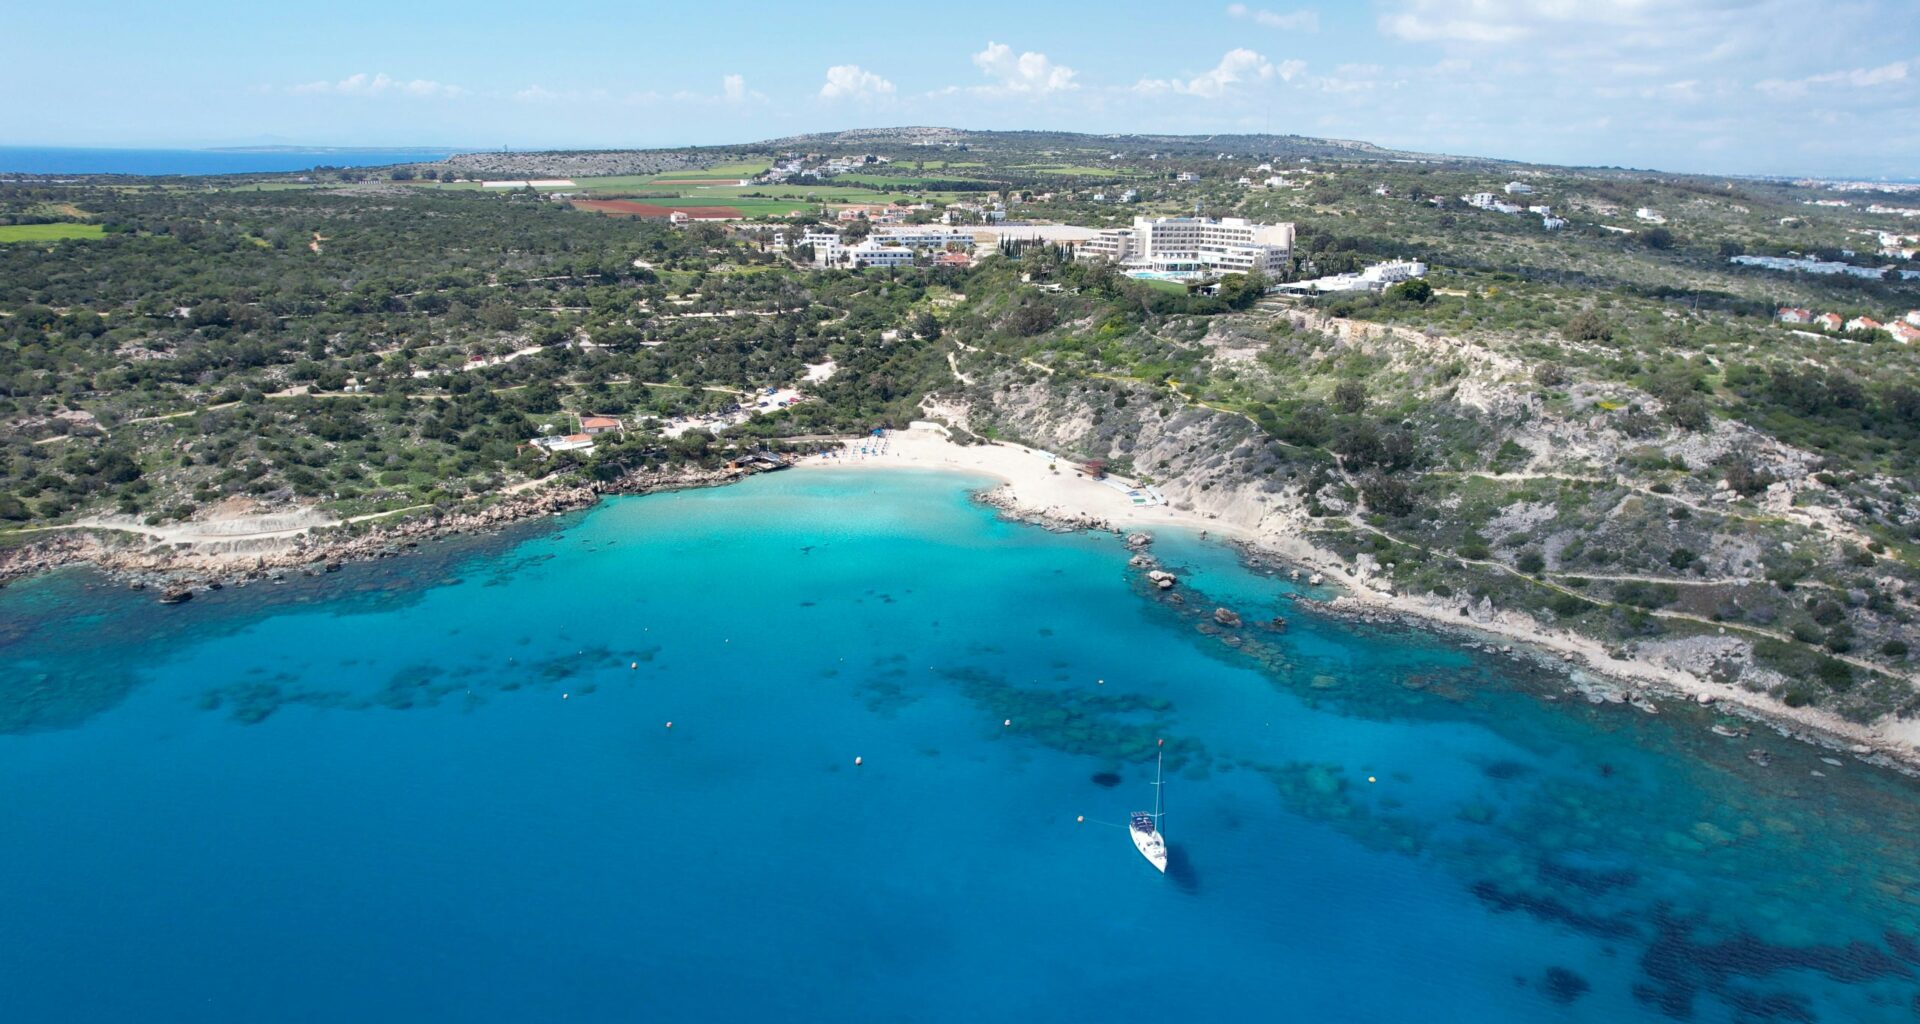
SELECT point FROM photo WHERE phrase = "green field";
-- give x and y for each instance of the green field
(48, 232)
(1081, 169)
(735, 171)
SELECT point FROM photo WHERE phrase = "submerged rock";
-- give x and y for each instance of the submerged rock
(1227, 618)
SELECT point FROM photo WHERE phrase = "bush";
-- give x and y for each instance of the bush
(1588, 325)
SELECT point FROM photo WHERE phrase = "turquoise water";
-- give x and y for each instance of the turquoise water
(443, 788)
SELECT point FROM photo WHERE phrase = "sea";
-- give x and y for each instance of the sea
(845, 746)
(157, 162)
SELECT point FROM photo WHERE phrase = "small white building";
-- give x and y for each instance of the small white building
(873, 253)
(1650, 215)
(1519, 188)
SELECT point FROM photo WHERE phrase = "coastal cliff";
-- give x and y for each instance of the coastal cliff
(1461, 491)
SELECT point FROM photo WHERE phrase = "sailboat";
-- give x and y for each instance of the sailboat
(1146, 824)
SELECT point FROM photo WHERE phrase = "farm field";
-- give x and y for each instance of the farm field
(733, 172)
(1082, 169)
(48, 232)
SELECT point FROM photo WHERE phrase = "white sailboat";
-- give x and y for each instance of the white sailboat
(1146, 824)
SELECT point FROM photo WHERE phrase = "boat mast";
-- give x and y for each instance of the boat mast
(1158, 787)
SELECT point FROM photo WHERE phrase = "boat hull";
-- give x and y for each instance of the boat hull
(1152, 847)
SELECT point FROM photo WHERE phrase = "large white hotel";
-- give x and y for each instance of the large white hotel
(1185, 248)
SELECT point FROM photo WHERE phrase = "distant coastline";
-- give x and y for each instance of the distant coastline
(190, 162)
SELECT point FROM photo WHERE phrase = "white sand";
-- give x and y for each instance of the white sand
(1056, 489)
(1035, 482)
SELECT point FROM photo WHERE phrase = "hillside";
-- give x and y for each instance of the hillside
(1599, 429)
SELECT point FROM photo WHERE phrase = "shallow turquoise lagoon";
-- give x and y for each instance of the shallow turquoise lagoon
(443, 788)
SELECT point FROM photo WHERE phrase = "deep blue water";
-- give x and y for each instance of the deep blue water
(442, 788)
(67, 160)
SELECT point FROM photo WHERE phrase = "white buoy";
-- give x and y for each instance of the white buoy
(633, 665)
(1081, 820)
(1007, 722)
(669, 725)
(564, 696)
(1370, 778)
(858, 761)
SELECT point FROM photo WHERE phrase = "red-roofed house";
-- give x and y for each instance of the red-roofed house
(1864, 323)
(1903, 331)
(1794, 315)
(598, 424)
(1830, 321)
(953, 259)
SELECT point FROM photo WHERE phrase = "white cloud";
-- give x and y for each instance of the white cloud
(1029, 74)
(1857, 78)
(851, 81)
(734, 88)
(1303, 20)
(380, 84)
(1593, 26)
(1238, 66)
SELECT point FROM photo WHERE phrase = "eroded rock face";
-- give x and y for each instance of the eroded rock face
(1226, 617)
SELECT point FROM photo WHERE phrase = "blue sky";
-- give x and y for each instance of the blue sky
(1739, 86)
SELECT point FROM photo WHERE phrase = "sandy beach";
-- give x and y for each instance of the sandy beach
(1056, 490)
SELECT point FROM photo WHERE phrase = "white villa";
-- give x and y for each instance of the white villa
(1372, 279)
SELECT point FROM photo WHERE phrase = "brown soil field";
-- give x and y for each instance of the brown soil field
(629, 208)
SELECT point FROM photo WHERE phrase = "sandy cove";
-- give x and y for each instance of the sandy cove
(1055, 493)
(1034, 488)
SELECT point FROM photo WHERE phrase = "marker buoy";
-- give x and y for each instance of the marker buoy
(858, 761)
(1081, 820)
(1007, 722)
(1159, 743)
(1370, 778)
(564, 696)
(1103, 682)
(633, 665)
(669, 725)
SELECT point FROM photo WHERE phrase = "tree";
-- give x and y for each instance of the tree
(1416, 291)
(1241, 291)
(1350, 395)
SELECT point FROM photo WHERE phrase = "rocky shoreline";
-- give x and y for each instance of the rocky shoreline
(1634, 684)
(178, 571)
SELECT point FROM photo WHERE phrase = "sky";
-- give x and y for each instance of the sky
(1719, 86)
